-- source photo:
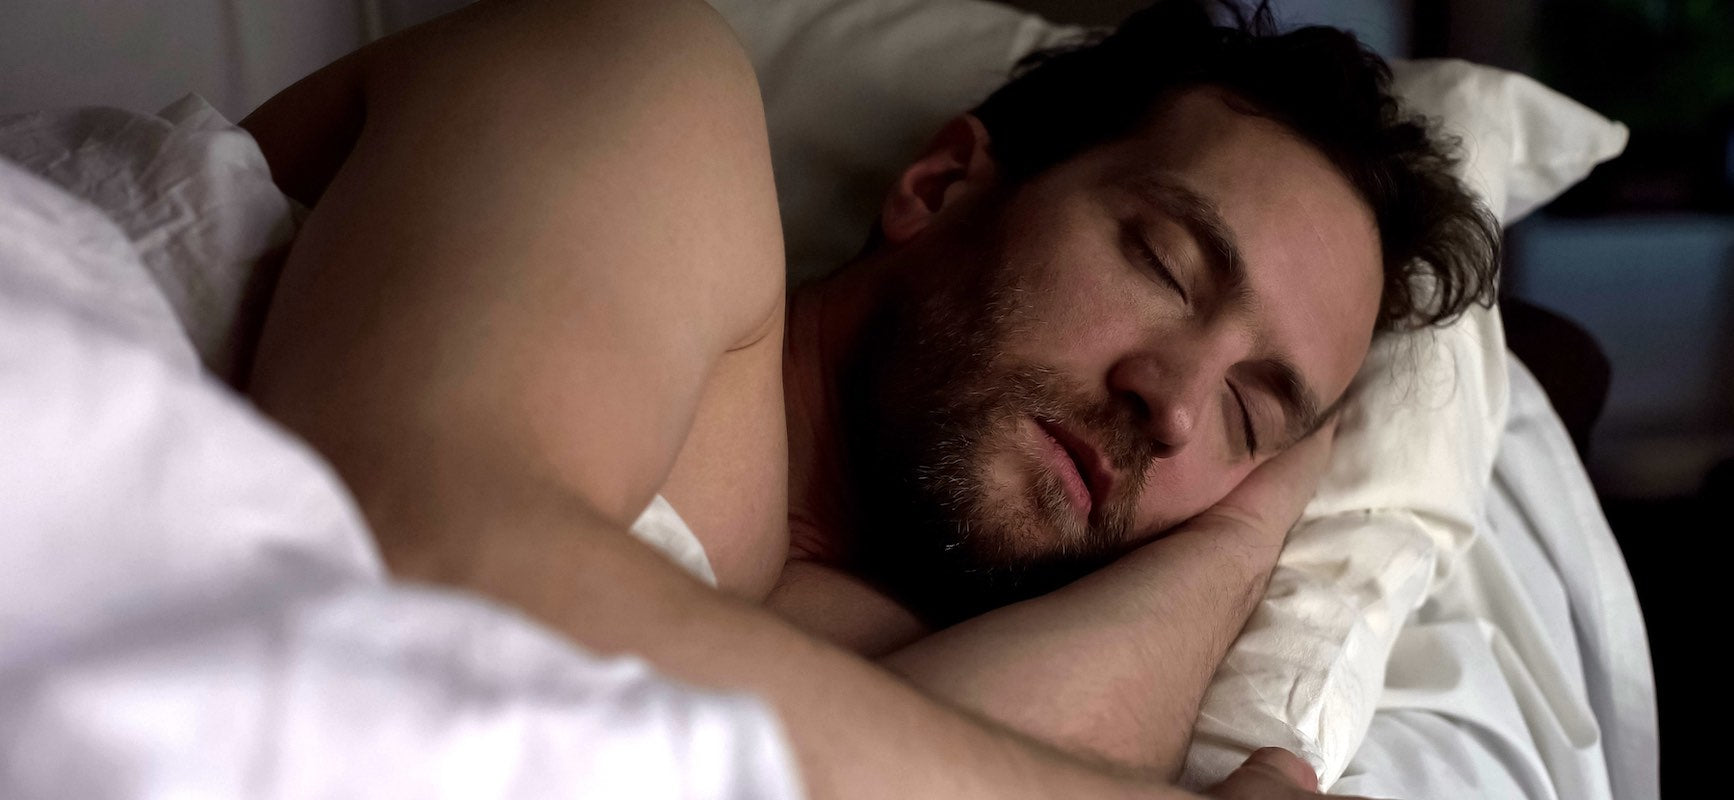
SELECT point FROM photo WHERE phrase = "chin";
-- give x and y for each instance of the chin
(1016, 510)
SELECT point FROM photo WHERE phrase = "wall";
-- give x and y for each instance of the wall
(1382, 24)
(1657, 292)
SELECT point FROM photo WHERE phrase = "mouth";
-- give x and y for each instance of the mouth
(1082, 468)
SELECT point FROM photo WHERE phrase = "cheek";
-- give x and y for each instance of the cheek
(1078, 318)
(1179, 488)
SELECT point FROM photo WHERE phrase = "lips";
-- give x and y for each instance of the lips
(1090, 465)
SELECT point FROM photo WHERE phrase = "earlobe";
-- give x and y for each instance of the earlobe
(956, 165)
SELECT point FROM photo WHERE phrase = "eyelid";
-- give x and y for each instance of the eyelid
(1155, 262)
(1245, 420)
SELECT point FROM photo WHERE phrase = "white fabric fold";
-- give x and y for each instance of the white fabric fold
(1528, 669)
(191, 605)
(194, 197)
(1398, 505)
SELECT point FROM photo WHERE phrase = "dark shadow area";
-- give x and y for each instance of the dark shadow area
(1665, 543)
(1565, 360)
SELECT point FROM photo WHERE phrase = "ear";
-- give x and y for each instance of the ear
(956, 165)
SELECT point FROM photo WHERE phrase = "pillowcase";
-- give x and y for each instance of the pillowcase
(1525, 143)
(852, 90)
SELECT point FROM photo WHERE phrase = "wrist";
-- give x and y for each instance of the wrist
(1259, 534)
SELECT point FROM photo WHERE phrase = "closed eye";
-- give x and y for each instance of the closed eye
(1148, 255)
(1245, 421)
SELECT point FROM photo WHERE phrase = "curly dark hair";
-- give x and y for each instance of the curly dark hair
(1440, 246)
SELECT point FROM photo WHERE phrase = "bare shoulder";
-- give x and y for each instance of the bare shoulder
(553, 233)
(603, 83)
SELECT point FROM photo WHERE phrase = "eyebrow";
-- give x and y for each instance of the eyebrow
(1203, 221)
(1200, 217)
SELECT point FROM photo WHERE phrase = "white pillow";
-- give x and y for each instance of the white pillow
(1414, 453)
(852, 90)
(1526, 143)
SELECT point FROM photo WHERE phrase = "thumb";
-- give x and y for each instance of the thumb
(1283, 764)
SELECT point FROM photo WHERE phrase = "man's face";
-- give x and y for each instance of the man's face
(1107, 349)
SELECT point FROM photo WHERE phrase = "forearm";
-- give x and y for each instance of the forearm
(1115, 665)
(857, 731)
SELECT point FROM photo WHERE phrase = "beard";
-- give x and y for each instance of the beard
(933, 401)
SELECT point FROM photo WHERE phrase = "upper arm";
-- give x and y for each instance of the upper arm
(555, 220)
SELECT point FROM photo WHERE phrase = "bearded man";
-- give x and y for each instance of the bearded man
(1094, 342)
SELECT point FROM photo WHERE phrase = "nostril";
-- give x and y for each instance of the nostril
(1139, 408)
(1163, 442)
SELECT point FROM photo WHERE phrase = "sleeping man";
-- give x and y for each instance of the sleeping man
(986, 507)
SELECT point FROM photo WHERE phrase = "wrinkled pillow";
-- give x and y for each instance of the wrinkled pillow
(853, 88)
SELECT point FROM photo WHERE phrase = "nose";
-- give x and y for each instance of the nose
(1170, 389)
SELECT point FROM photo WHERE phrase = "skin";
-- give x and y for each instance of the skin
(1185, 353)
(473, 328)
(1102, 318)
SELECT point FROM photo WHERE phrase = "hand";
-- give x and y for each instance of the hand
(1269, 774)
(1272, 497)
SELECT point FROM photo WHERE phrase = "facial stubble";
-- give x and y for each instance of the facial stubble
(937, 398)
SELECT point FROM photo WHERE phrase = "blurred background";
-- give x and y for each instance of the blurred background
(1620, 294)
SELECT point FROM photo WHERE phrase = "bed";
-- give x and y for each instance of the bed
(1490, 648)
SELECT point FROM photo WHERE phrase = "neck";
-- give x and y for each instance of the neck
(826, 322)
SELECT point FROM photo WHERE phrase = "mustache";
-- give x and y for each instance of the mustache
(1116, 428)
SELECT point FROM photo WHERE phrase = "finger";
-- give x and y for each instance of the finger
(1286, 764)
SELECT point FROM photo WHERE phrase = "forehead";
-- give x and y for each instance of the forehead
(1262, 176)
(1309, 243)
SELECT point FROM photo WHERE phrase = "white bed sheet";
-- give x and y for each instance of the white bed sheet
(1527, 673)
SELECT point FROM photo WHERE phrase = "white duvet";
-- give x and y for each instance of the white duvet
(190, 605)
